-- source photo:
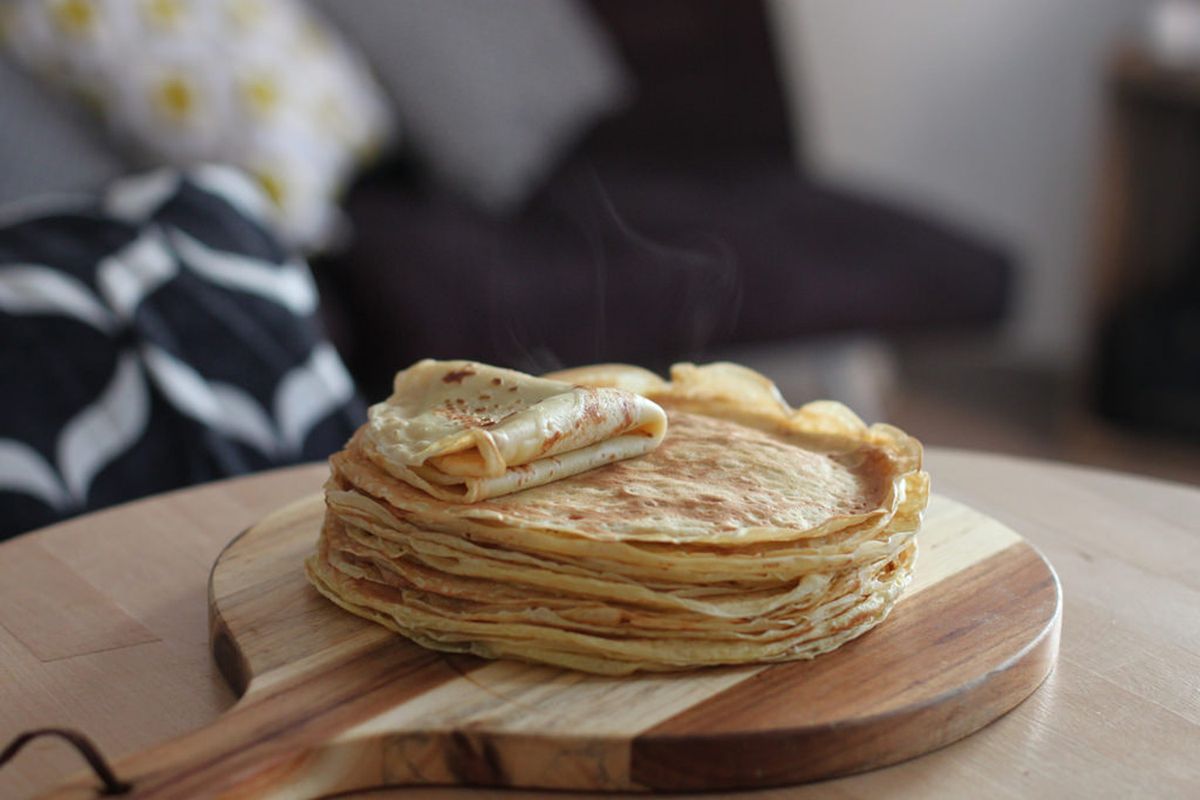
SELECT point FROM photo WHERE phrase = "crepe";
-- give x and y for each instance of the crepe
(753, 533)
(614, 643)
(463, 431)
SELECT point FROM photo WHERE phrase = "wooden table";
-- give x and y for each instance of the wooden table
(103, 628)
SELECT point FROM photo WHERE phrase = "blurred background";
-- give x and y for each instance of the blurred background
(979, 220)
(1067, 132)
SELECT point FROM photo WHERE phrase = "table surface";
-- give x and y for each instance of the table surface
(103, 628)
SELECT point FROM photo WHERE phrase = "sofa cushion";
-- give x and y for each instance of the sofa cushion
(618, 261)
(263, 86)
(491, 95)
(810, 258)
(44, 147)
(706, 77)
(155, 338)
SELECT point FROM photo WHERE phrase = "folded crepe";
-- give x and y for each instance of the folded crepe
(464, 432)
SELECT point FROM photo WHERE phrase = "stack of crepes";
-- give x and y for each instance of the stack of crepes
(606, 520)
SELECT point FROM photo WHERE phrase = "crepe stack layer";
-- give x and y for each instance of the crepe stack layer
(752, 532)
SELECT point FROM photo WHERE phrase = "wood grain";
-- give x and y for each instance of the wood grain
(945, 664)
(1119, 716)
(333, 703)
(76, 620)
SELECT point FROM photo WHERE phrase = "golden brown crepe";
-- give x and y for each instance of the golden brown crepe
(464, 431)
(752, 533)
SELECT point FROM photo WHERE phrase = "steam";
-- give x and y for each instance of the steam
(648, 300)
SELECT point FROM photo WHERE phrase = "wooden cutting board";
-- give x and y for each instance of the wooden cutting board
(332, 703)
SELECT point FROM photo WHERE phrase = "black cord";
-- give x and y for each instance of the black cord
(85, 746)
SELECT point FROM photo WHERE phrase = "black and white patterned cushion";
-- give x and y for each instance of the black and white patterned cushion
(156, 337)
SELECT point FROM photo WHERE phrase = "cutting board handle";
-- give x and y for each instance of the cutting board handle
(221, 759)
(225, 760)
(110, 785)
(289, 733)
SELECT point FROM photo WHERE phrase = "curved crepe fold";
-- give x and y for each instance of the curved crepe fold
(464, 432)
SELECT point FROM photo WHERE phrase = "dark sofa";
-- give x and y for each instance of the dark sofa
(680, 225)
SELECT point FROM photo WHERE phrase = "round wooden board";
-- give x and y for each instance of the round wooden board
(333, 703)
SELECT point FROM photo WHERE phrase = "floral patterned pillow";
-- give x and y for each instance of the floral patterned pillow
(261, 84)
